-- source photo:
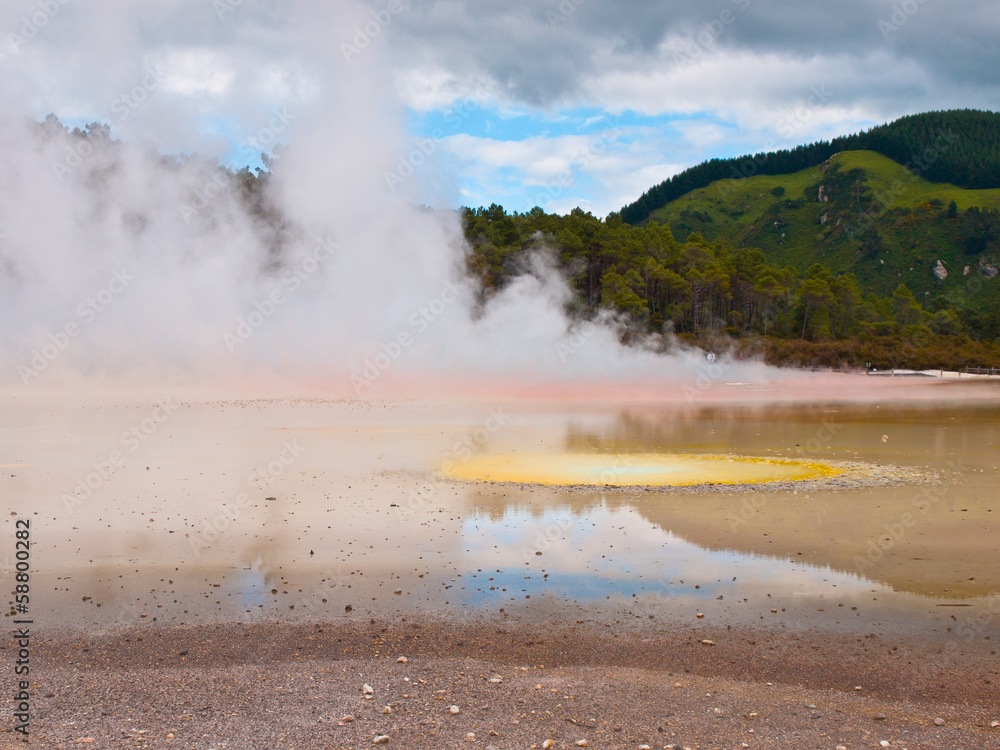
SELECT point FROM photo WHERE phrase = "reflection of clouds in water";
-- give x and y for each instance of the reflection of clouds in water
(600, 552)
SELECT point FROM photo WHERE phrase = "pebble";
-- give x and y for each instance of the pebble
(645, 747)
(495, 679)
(170, 735)
(995, 724)
(707, 642)
(367, 689)
(879, 717)
(380, 739)
(699, 615)
(884, 743)
(347, 719)
(939, 722)
(841, 747)
(387, 710)
(471, 736)
(581, 743)
(547, 744)
(402, 660)
(454, 709)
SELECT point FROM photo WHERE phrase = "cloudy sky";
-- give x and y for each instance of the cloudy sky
(556, 103)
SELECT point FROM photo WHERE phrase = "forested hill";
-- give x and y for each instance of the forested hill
(961, 147)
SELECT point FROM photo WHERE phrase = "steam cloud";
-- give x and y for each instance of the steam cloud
(118, 261)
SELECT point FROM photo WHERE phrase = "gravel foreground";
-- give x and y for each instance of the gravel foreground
(411, 684)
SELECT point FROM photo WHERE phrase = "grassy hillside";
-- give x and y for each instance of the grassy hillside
(961, 147)
(858, 211)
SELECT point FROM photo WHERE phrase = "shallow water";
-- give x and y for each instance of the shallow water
(181, 529)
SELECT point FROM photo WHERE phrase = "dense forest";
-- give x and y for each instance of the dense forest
(959, 146)
(726, 298)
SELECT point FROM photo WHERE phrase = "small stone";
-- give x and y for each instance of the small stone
(471, 736)
(387, 710)
(347, 719)
(717, 711)
(699, 615)
(454, 709)
(707, 642)
(581, 743)
(858, 687)
(995, 724)
(841, 747)
(677, 685)
(495, 679)
(398, 592)
(645, 747)
(380, 739)
(402, 660)
(86, 740)
(170, 735)
(879, 717)
(939, 722)
(367, 689)
(884, 743)
(547, 744)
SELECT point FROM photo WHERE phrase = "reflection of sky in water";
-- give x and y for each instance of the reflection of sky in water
(617, 553)
(252, 586)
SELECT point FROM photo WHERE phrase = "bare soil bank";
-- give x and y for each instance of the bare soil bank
(238, 686)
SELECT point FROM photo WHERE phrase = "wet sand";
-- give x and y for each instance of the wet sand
(255, 533)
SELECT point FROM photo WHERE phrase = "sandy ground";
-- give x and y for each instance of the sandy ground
(236, 686)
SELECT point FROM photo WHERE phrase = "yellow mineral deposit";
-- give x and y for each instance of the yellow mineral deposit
(631, 470)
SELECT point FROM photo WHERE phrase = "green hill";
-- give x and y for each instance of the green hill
(860, 212)
(961, 147)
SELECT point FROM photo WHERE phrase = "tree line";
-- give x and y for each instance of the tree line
(700, 290)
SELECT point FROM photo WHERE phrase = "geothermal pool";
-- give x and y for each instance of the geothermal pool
(198, 510)
(630, 469)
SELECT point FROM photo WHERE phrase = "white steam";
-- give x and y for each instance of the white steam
(118, 262)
